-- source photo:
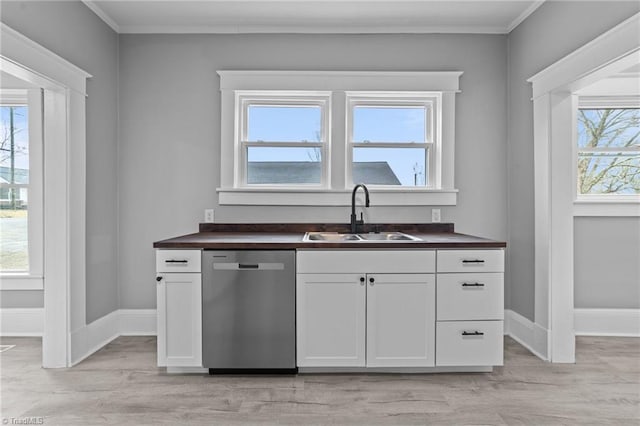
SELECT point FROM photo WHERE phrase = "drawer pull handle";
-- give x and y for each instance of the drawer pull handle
(176, 261)
(472, 333)
(473, 261)
(472, 285)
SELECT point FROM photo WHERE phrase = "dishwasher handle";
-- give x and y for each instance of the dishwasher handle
(249, 266)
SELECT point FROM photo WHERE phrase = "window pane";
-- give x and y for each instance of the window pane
(14, 146)
(599, 128)
(389, 124)
(299, 123)
(14, 170)
(274, 165)
(390, 166)
(609, 173)
(14, 247)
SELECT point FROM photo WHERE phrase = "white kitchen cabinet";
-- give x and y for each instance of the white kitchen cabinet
(330, 320)
(179, 308)
(357, 318)
(400, 320)
(470, 308)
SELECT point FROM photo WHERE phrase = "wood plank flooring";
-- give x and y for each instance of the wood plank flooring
(120, 385)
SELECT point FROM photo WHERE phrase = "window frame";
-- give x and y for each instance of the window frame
(337, 84)
(244, 99)
(429, 100)
(32, 279)
(607, 204)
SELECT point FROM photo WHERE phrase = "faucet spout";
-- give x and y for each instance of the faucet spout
(354, 221)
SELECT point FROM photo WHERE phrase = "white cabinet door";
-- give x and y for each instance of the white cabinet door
(400, 320)
(179, 311)
(331, 320)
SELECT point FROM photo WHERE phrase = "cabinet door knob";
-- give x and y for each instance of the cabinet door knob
(362, 279)
(159, 278)
(371, 280)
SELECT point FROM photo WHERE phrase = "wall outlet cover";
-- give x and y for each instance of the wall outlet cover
(435, 215)
(208, 216)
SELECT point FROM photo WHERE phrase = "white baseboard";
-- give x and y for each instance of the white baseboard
(529, 334)
(123, 322)
(138, 322)
(92, 337)
(21, 321)
(607, 322)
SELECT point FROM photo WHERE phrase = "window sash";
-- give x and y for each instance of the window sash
(247, 99)
(33, 100)
(428, 100)
(602, 103)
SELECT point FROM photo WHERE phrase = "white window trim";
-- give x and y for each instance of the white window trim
(446, 84)
(553, 90)
(33, 278)
(64, 87)
(246, 98)
(611, 205)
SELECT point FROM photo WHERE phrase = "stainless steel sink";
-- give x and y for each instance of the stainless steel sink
(388, 236)
(332, 237)
(335, 237)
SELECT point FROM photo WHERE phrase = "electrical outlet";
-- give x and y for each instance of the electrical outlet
(208, 216)
(435, 215)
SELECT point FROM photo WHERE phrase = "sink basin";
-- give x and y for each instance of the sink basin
(335, 237)
(387, 236)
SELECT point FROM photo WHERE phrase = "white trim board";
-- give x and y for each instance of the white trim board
(234, 28)
(123, 322)
(554, 108)
(64, 87)
(607, 322)
(21, 321)
(85, 340)
(530, 335)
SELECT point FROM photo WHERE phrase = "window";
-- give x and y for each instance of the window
(306, 137)
(608, 150)
(391, 139)
(20, 184)
(283, 139)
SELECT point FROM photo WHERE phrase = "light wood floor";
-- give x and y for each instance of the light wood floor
(120, 385)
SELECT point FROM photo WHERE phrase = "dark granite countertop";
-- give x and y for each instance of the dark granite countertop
(289, 236)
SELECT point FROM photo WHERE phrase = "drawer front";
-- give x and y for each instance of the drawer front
(473, 296)
(469, 343)
(470, 261)
(178, 260)
(366, 261)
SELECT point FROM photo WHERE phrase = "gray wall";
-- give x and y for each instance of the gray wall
(170, 131)
(75, 33)
(607, 262)
(550, 33)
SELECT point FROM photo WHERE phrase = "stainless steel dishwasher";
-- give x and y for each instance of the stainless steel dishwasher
(248, 311)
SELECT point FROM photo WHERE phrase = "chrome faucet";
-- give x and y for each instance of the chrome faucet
(355, 222)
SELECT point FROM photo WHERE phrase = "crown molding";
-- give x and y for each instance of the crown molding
(308, 29)
(524, 15)
(102, 15)
(316, 29)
